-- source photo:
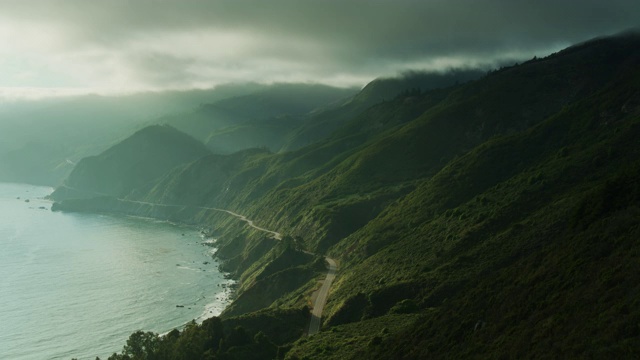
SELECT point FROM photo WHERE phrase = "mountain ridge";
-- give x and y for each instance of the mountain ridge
(137, 160)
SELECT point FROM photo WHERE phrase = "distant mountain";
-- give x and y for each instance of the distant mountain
(132, 163)
(41, 140)
(323, 123)
(496, 218)
(259, 119)
(386, 89)
(286, 117)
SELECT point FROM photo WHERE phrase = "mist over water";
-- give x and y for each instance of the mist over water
(77, 285)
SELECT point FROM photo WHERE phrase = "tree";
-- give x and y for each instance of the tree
(141, 346)
(238, 337)
(214, 332)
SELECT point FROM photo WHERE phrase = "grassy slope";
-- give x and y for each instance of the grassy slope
(263, 117)
(134, 162)
(322, 124)
(358, 183)
(532, 236)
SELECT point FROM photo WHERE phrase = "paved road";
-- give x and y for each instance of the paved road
(276, 235)
(321, 299)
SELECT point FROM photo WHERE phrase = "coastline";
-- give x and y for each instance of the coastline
(176, 215)
(49, 257)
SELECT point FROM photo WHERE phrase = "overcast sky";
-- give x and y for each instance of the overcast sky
(102, 46)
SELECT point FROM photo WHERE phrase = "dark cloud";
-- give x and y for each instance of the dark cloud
(159, 68)
(180, 42)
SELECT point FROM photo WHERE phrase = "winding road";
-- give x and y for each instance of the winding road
(321, 299)
(276, 235)
(323, 294)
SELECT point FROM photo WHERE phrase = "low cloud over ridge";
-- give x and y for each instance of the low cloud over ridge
(120, 45)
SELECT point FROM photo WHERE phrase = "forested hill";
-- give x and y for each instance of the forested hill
(492, 219)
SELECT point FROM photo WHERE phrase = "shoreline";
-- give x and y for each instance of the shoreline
(205, 233)
(223, 297)
(154, 234)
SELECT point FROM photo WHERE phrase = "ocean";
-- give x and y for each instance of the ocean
(77, 285)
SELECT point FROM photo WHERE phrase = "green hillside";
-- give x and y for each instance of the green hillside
(132, 163)
(497, 218)
(323, 123)
(261, 118)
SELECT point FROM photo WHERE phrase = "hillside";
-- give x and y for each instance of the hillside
(262, 118)
(131, 164)
(491, 219)
(521, 247)
(322, 123)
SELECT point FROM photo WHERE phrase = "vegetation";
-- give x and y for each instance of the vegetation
(263, 118)
(207, 341)
(131, 164)
(492, 219)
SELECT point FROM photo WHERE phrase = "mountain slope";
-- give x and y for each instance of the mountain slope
(523, 247)
(323, 123)
(262, 118)
(382, 168)
(131, 164)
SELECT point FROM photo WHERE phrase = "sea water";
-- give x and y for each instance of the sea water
(77, 285)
